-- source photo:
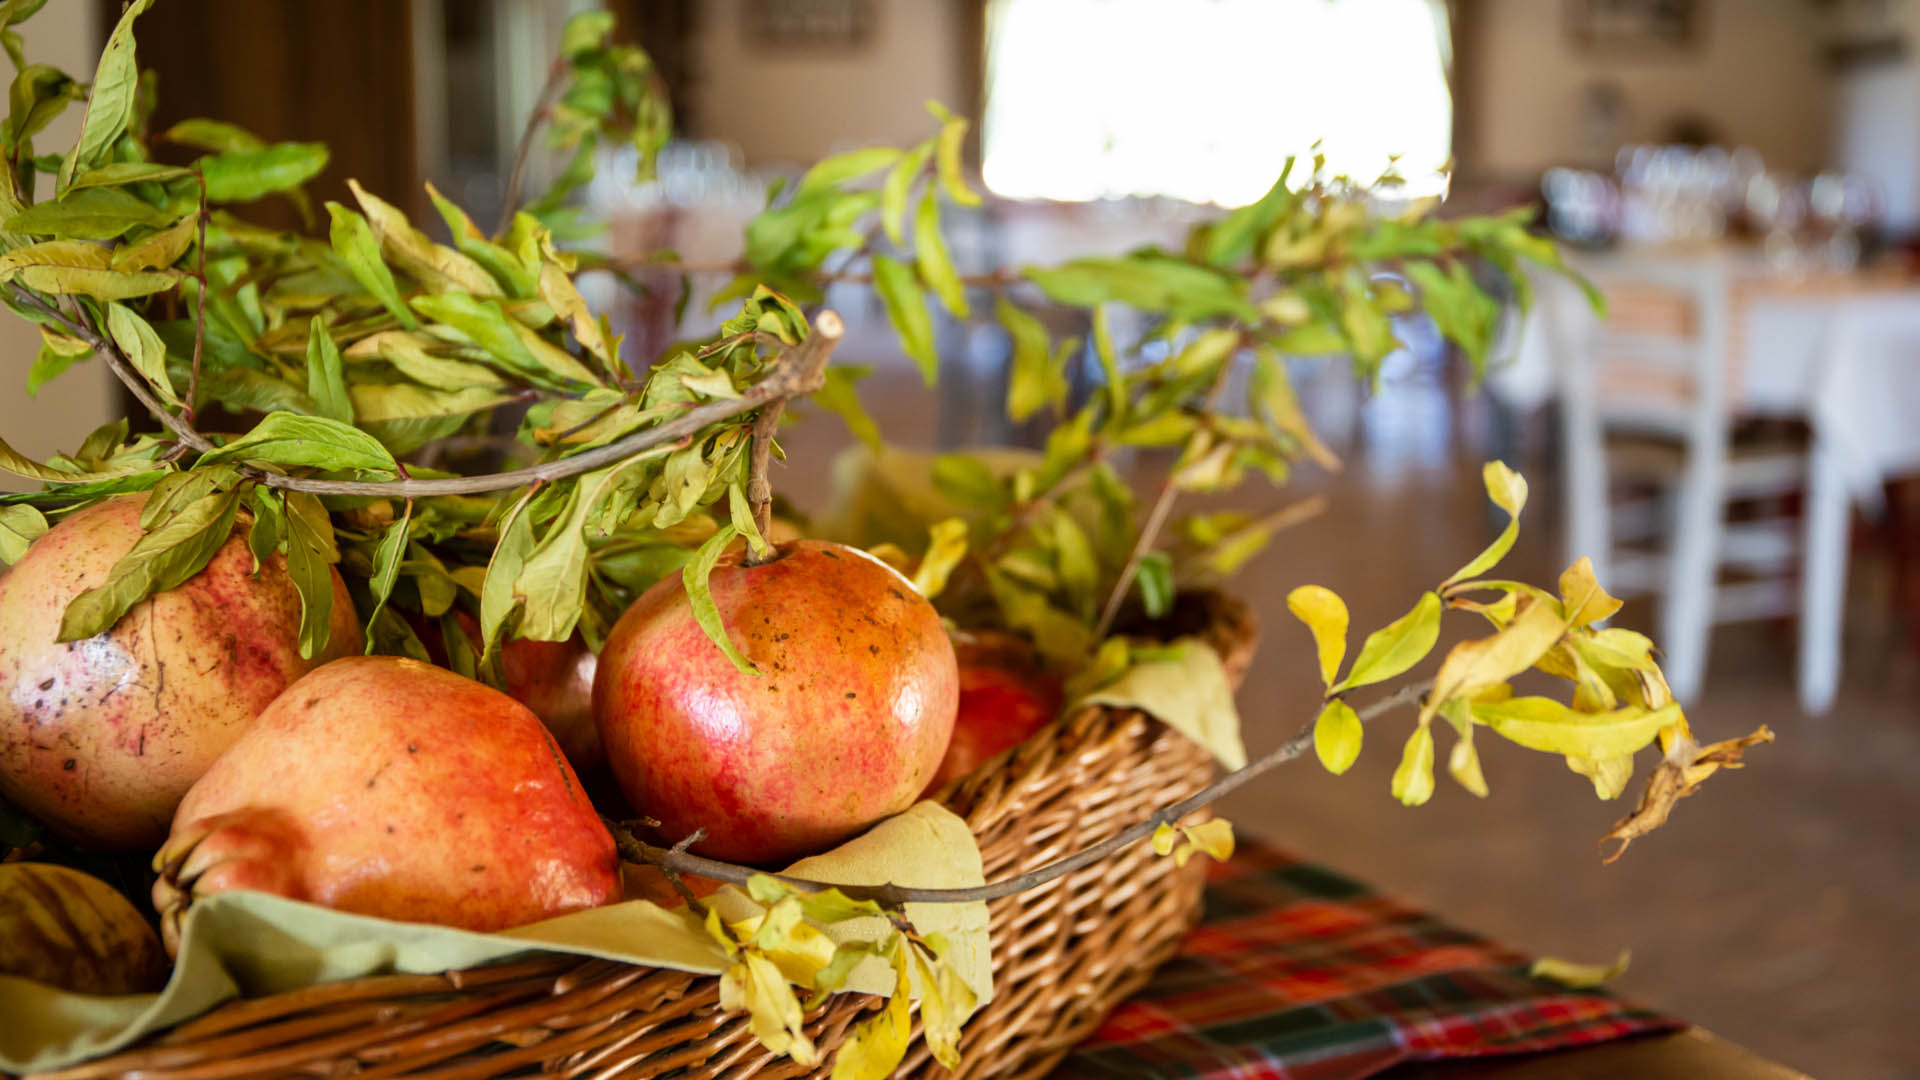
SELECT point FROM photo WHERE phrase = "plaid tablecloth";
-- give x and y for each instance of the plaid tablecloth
(1298, 973)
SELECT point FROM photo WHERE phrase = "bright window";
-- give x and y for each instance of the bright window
(1204, 100)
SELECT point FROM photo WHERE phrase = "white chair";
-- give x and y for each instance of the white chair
(1644, 393)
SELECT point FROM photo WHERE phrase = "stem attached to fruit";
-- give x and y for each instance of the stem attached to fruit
(810, 363)
(674, 860)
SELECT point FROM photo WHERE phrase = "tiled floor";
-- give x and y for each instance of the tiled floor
(1781, 906)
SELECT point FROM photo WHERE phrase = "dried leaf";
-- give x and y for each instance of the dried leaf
(1686, 766)
(1413, 780)
(1585, 601)
(1463, 764)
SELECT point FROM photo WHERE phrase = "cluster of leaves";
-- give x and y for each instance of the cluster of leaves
(1620, 702)
(784, 948)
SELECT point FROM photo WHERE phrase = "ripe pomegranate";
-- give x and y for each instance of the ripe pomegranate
(389, 787)
(842, 726)
(100, 738)
(553, 678)
(1005, 696)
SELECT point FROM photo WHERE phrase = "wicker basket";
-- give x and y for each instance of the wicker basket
(1064, 954)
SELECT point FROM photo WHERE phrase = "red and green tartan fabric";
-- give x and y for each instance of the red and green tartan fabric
(1298, 973)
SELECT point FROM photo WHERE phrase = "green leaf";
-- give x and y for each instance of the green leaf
(517, 277)
(1230, 241)
(740, 512)
(907, 310)
(838, 396)
(968, 480)
(269, 524)
(310, 555)
(893, 193)
(39, 94)
(20, 526)
(136, 338)
(840, 168)
(215, 135)
(71, 266)
(326, 381)
(110, 102)
(246, 175)
(408, 352)
(1336, 736)
(1326, 617)
(438, 268)
(95, 213)
(128, 172)
(1397, 646)
(1155, 580)
(1540, 723)
(386, 565)
(498, 599)
(1508, 490)
(1034, 380)
(1116, 383)
(57, 353)
(1413, 780)
(516, 346)
(160, 560)
(354, 242)
(552, 585)
(313, 442)
(952, 137)
(700, 596)
(936, 264)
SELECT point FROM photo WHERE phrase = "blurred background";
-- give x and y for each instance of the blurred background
(1737, 442)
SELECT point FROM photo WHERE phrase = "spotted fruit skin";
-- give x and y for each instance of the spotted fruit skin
(390, 787)
(67, 929)
(100, 738)
(843, 726)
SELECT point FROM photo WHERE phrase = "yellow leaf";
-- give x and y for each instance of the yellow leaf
(1213, 839)
(1164, 838)
(890, 553)
(1326, 617)
(1399, 645)
(946, 546)
(1580, 976)
(1336, 736)
(1413, 780)
(879, 1044)
(1586, 602)
(560, 293)
(1463, 764)
(1473, 666)
(1543, 724)
(756, 986)
(1609, 774)
(437, 267)
(945, 1004)
(1678, 775)
(1508, 490)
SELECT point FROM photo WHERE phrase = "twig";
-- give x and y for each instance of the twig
(200, 316)
(787, 380)
(635, 850)
(810, 362)
(993, 279)
(556, 81)
(1149, 533)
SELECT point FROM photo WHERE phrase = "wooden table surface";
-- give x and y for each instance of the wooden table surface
(1694, 1054)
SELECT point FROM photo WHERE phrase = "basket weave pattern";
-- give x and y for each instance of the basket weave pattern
(1064, 953)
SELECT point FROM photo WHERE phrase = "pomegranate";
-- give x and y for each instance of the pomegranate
(389, 787)
(843, 725)
(553, 678)
(1005, 696)
(100, 738)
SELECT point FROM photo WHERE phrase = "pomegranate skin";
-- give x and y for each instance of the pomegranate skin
(100, 738)
(1001, 706)
(843, 726)
(389, 787)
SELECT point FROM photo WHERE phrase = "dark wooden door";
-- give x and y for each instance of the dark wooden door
(332, 71)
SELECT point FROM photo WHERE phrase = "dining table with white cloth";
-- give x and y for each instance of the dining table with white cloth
(1840, 351)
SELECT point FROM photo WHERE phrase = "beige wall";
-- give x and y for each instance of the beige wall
(794, 106)
(1757, 77)
(62, 34)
